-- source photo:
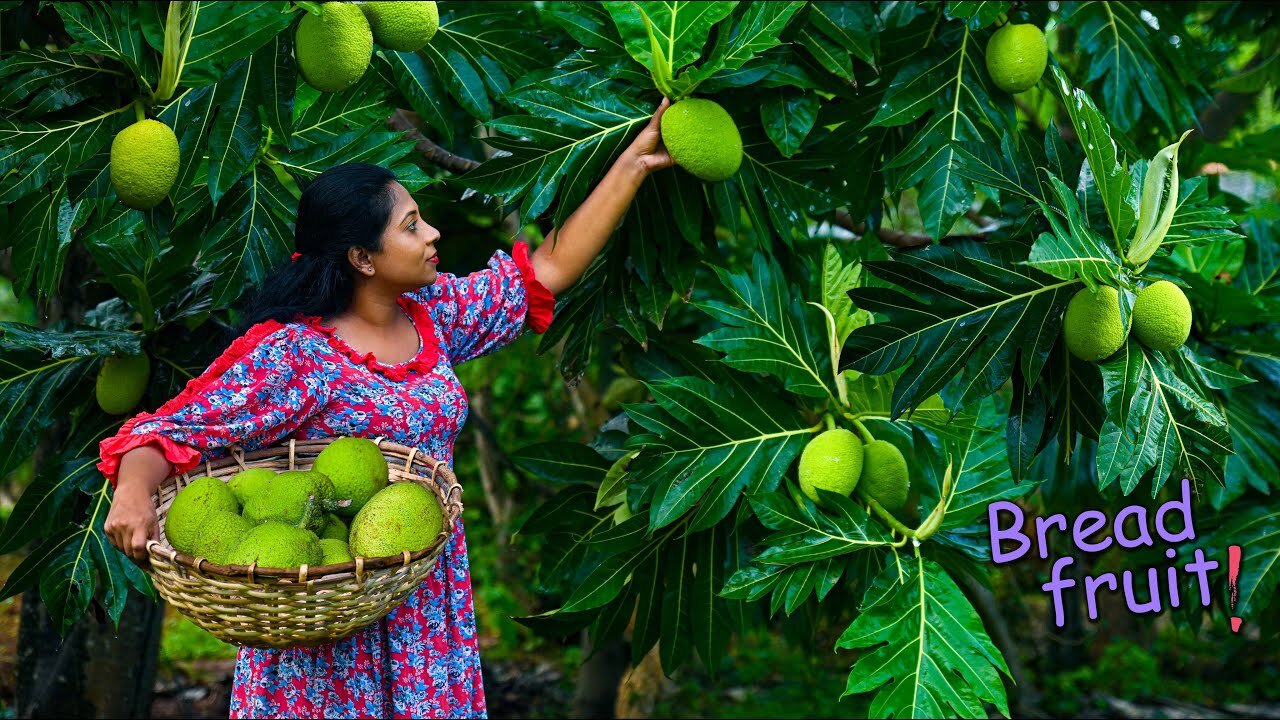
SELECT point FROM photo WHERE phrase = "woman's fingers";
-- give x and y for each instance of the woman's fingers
(138, 546)
(656, 120)
(130, 530)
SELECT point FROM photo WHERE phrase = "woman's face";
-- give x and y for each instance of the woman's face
(408, 256)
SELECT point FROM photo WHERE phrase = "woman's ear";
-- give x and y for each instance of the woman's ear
(360, 260)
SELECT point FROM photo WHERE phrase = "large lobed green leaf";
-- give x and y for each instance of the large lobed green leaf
(41, 82)
(75, 563)
(964, 318)
(982, 473)
(949, 85)
(1157, 425)
(1198, 222)
(1120, 48)
(977, 13)
(566, 140)
(711, 442)
(562, 462)
(928, 653)
(803, 534)
(1073, 249)
(223, 33)
(43, 377)
(680, 30)
(767, 327)
(1107, 163)
(113, 30)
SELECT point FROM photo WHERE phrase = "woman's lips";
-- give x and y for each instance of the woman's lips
(435, 259)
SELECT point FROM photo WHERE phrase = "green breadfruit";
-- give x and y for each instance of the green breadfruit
(1016, 57)
(403, 516)
(334, 551)
(15, 307)
(192, 506)
(219, 536)
(402, 26)
(121, 382)
(1092, 327)
(357, 468)
(1162, 316)
(296, 497)
(702, 138)
(144, 163)
(885, 477)
(247, 483)
(278, 545)
(335, 529)
(623, 389)
(831, 461)
(333, 50)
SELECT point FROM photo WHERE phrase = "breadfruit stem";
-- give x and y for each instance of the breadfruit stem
(830, 421)
(885, 515)
(842, 387)
(139, 110)
(862, 430)
(317, 507)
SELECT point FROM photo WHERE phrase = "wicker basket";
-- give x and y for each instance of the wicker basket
(274, 608)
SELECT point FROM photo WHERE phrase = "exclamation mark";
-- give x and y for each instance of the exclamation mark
(1233, 576)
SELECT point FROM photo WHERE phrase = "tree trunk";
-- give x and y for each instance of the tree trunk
(642, 687)
(596, 693)
(98, 670)
(1067, 644)
(496, 497)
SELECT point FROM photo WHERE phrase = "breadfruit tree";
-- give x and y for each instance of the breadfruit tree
(965, 247)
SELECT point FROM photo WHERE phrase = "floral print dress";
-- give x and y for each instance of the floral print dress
(302, 380)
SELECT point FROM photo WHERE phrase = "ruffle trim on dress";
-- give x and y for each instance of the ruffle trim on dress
(181, 457)
(542, 304)
(422, 363)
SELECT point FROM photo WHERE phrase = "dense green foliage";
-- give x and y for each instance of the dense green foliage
(896, 252)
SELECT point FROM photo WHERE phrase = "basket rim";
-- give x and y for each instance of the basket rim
(449, 494)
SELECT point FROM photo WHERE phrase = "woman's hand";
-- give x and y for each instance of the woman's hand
(647, 151)
(131, 522)
(567, 251)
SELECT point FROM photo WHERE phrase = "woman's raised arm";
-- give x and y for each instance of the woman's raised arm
(559, 264)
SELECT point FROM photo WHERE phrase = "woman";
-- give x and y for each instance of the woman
(358, 336)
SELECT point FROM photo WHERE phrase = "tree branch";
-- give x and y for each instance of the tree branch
(1220, 115)
(902, 239)
(408, 121)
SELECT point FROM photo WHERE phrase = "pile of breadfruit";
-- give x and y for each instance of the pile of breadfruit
(342, 508)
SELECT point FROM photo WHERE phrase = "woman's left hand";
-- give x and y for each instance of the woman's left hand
(647, 151)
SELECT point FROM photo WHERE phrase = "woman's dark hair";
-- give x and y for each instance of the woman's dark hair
(345, 206)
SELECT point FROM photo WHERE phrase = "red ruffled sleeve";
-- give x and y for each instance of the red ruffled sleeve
(542, 304)
(264, 386)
